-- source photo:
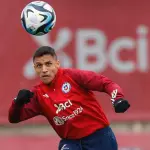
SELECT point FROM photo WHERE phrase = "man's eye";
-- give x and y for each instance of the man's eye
(38, 65)
(48, 64)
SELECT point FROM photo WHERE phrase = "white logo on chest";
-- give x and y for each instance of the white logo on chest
(62, 106)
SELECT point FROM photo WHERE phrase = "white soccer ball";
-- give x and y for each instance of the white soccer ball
(38, 18)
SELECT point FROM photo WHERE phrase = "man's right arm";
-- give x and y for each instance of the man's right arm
(18, 113)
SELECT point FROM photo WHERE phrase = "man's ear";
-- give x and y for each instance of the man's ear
(58, 63)
(34, 68)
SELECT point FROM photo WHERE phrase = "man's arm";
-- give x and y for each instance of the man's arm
(18, 113)
(96, 82)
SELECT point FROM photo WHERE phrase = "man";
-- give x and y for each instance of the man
(65, 98)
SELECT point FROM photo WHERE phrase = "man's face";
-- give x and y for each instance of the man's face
(46, 67)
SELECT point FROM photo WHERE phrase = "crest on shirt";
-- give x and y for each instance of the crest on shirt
(66, 87)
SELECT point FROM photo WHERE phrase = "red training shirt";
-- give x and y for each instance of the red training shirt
(69, 103)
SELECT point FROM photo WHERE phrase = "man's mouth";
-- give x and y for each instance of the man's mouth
(45, 76)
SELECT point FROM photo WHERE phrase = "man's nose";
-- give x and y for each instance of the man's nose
(44, 69)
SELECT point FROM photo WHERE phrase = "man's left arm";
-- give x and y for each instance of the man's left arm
(96, 82)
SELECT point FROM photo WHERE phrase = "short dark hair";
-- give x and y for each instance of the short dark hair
(44, 50)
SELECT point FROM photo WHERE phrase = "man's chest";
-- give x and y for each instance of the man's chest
(61, 99)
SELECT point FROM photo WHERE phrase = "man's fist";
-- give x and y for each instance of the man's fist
(23, 97)
(121, 105)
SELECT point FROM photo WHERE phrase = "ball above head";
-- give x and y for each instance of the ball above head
(38, 18)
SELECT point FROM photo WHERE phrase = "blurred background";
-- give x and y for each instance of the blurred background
(107, 36)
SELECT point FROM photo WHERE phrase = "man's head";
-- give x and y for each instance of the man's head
(45, 63)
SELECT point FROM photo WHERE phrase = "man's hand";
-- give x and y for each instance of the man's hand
(120, 105)
(23, 97)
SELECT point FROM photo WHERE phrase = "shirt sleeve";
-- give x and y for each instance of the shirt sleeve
(96, 82)
(18, 114)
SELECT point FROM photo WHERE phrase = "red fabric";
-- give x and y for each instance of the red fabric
(70, 101)
(95, 82)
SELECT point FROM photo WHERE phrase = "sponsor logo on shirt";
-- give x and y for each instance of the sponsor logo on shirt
(58, 121)
(62, 106)
(66, 87)
(63, 119)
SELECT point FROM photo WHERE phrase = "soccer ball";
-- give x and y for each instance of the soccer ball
(38, 18)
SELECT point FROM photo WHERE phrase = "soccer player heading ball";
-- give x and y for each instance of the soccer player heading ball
(65, 98)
